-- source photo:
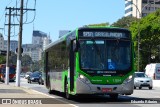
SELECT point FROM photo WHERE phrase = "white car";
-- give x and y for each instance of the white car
(27, 75)
(142, 80)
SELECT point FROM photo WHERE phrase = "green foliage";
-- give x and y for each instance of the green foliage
(36, 66)
(101, 24)
(125, 22)
(13, 58)
(26, 60)
(149, 32)
(2, 59)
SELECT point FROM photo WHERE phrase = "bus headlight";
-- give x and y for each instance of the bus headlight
(84, 79)
(128, 79)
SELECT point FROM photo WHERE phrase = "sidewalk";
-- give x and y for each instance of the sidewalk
(12, 96)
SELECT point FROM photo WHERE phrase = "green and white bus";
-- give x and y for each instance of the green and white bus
(90, 60)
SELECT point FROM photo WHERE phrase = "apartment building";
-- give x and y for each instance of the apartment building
(39, 41)
(13, 45)
(140, 8)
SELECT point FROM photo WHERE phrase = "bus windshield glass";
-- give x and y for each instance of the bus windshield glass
(105, 55)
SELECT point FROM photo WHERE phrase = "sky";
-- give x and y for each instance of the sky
(54, 15)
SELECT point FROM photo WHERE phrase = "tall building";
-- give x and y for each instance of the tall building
(27, 49)
(39, 41)
(34, 51)
(46, 41)
(1, 42)
(38, 37)
(140, 8)
(13, 45)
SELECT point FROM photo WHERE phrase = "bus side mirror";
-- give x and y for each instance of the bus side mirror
(75, 45)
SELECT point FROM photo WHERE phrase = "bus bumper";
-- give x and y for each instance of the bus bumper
(88, 88)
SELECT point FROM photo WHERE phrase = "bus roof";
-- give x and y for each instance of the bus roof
(102, 27)
(64, 37)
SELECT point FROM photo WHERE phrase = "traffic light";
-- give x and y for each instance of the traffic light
(2, 52)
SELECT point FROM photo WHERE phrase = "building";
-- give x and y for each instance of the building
(46, 41)
(34, 51)
(1, 42)
(27, 49)
(38, 37)
(140, 8)
(13, 45)
(39, 41)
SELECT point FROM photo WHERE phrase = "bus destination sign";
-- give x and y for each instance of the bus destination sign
(105, 34)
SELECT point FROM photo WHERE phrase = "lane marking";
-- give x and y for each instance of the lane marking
(55, 97)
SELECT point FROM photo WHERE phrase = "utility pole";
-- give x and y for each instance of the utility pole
(18, 70)
(8, 44)
(8, 48)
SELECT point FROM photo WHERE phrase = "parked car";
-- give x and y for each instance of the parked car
(27, 74)
(22, 74)
(34, 77)
(142, 80)
(41, 81)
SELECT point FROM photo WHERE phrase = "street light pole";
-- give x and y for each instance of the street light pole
(8, 48)
(18, 70)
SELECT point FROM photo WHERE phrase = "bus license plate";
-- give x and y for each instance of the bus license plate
(106, 89)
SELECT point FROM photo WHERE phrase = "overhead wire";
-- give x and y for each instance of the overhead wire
(17, 12)
(4, 10)
(26, 11)
(34, 14)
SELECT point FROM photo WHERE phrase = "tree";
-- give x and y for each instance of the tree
(125, 22)
(101, 24)
(36, 66)
(149, 30)
(26, 62)
(2, 59)
(13, 58)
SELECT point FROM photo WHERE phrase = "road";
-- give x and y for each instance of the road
(143, 97)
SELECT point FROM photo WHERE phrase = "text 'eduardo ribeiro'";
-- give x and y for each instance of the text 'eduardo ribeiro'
(144, 101)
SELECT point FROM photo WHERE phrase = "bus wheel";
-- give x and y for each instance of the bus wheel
(67, 95)
(50, 91)
(114, 96)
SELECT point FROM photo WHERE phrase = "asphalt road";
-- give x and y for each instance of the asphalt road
(140, 98)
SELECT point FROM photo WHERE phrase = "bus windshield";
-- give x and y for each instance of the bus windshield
(105, 55)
